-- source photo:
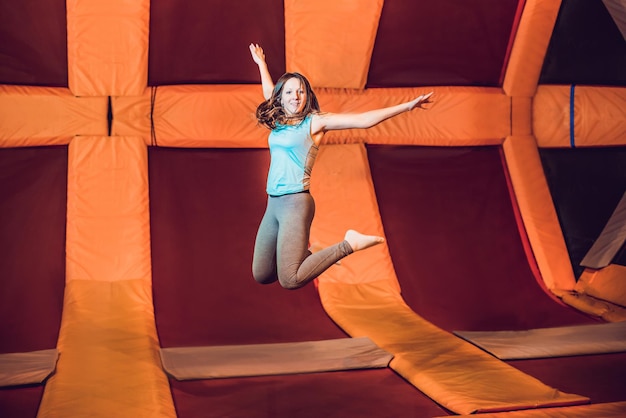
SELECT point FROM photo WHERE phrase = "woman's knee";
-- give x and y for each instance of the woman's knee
(291, 282)
(265, 280)
(264, 276)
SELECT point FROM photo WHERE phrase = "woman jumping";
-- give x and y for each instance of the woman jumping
(292, 114)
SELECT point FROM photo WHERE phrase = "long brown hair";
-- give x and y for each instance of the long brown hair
(271, 112)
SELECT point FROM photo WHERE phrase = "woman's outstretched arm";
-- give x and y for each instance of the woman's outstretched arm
(266, 79)
(334, 121)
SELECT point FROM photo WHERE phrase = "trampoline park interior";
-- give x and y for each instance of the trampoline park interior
(132, 178)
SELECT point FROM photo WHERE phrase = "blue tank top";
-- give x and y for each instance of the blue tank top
(293, 153)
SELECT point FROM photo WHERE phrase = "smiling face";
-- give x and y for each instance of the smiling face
(293, 97)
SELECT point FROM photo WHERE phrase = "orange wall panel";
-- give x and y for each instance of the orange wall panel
(521, 117)
(223, 116)
(193, 116)
(457, 116)
(331, 41)
(530, 46)
(108, 236)
(109, 363)
(107, 47)
(538, 212)
(34, 116)
(345, 199)
(599, 116)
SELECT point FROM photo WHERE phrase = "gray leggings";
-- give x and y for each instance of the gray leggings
(281, 248)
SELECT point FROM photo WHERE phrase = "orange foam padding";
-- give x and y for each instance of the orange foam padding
(454, 373)
(538, 212)
(35, 116)
(598, 116)
(193, 116)
(362, 296)
(109, 364)
(604, 410)
(223, 116)
(344, 170)
(595, 307)
(108, 235)
(331, 42)
(107, 47)
(608, 283)
(521, 119)
(530, 46)
(456, 117)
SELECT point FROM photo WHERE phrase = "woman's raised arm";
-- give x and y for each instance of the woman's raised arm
(335, 121)
(266, 79)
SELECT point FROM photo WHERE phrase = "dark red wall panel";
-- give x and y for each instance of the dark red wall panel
(444, 42)
(33, 202)
(454, 240)
(205, 207)
(33, 43)
(206, 42)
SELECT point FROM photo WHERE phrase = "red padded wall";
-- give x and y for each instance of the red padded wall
(206, 42)
(445, 42)
(33, 190)
(33, 43)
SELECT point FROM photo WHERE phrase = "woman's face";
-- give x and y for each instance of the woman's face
(293, 97)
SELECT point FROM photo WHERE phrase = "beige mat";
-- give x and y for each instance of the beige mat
(187, 363)
(27, 368)
(550, 342)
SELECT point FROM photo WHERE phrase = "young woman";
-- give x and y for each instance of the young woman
(292, 113)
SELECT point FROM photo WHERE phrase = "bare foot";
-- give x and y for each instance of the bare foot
(359, 241)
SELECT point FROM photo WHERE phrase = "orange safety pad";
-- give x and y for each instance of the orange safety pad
(362, 296)
(327, 43)
(454, 373)
(538, 212)
(521, 119)
(608, 283)
(596, 307)
(598, 116)
(35, 116)
(223, 116)
(604, 410)
(108, 236)
(107, 47)
(530, 46)
(109, 364)
(457, 116)
(345, 199)
(193, 116)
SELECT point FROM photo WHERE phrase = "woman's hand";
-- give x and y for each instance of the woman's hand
(420, 100)
(257, 54)
(266, 79)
